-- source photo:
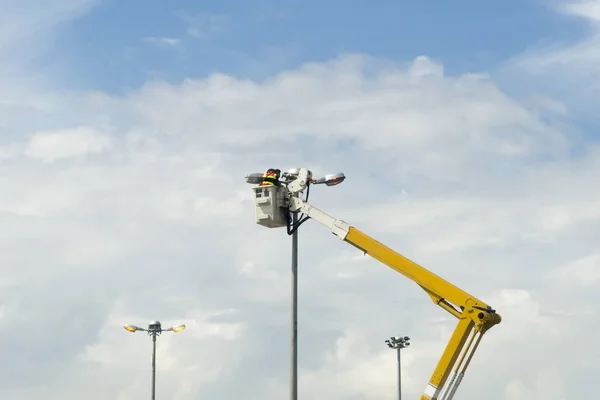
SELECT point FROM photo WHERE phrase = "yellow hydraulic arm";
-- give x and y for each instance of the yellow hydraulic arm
(273, 204)
(474, 316)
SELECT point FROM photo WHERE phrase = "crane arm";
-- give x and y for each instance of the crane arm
(474, 316)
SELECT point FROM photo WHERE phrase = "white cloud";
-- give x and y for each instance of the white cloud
(163, 41)
(55, 145)
(566, 69)
(22, 21)
(583, 272)
(144, 215)
(589, 10)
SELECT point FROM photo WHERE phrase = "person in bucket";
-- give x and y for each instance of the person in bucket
(271, 177)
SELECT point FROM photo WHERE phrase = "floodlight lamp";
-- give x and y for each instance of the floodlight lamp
(178, 328)
(254, 178)
(334, 179)
(130, 328)
(406, 338)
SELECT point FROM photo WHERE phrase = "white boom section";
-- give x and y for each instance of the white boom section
(337, 226)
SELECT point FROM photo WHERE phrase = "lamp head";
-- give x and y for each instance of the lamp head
(254, 178)
(334, 179)
(330, 179)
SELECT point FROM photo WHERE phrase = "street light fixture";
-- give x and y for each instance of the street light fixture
(254, 178)
(178, 328)
(330, 179)
(276, 199)
(154, 329)
(398, 343)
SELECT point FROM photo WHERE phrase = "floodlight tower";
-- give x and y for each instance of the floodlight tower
(154, 329)
(398, 343)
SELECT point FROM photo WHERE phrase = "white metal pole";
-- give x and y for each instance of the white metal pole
(153, 365)
(294, 327)
(399, 376)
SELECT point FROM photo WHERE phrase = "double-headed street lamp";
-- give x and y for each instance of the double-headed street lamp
(328, 180)
(286, 179)
(154, 329)
(398, 343)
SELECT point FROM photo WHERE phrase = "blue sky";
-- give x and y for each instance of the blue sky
(109, 48)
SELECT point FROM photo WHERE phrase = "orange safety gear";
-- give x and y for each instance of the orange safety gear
(271, 177)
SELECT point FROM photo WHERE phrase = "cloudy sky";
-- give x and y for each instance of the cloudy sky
(469, 137)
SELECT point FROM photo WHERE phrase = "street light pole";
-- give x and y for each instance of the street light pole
(294, 330)
(399, 375)
(398, 343)
(154, 329)
(153, 365)
(274, 197)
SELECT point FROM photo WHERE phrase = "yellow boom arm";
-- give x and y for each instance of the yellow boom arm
(474, 316)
